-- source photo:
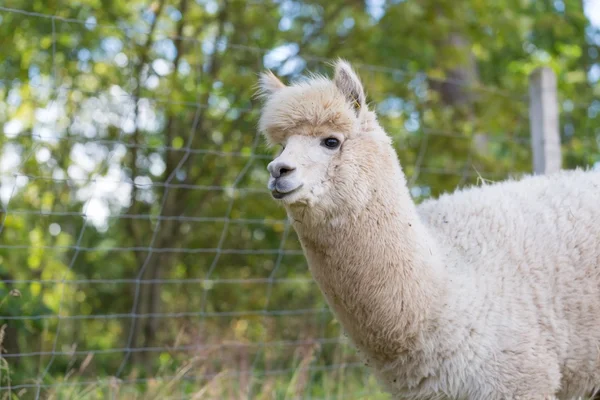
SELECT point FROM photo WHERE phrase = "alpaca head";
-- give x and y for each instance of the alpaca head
(332, 147)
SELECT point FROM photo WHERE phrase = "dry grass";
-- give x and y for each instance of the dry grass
(305, 378)
(189, 382)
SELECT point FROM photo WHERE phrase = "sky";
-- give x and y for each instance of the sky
(592, 10)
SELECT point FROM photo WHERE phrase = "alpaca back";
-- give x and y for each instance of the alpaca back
(530, 250)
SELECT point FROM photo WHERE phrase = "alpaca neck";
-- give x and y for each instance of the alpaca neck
(378, 269)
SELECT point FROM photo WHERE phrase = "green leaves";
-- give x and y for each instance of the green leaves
(107, 102)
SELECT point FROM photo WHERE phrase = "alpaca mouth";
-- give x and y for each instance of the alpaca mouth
(280, 195)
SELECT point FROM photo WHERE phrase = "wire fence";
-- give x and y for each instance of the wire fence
(140, 247)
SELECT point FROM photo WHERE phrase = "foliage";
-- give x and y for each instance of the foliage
(133, 179)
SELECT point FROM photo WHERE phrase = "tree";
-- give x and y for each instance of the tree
(140, 180)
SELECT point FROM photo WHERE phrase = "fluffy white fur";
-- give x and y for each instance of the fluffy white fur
(491, 292)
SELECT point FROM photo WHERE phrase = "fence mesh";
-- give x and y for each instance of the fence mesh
(140, 247)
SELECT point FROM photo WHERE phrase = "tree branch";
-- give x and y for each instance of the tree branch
(144, 55)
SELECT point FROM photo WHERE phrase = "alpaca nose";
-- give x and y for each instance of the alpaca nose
(280, 168)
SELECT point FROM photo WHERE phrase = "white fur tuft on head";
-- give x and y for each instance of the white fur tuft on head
(349, 84)
(311, 105)
(268, 84)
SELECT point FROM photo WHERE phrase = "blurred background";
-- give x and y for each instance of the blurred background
(141, 255)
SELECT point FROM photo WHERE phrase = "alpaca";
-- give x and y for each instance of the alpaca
(492, 292)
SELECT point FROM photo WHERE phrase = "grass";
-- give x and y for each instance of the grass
(304, 379)
(338, 383)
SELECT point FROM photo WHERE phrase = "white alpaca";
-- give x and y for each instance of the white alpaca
(488, 293)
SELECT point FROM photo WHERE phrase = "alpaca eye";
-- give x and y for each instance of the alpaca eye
(331, 143)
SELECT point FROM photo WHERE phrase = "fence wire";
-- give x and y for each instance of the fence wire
(140, 246)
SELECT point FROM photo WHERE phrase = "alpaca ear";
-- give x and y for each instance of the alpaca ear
(349, 84)
(268, 84)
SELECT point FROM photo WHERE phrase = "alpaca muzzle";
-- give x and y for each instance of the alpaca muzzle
(283, 186)
(284, 178)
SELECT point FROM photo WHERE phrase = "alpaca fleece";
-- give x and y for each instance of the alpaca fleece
(491, 292)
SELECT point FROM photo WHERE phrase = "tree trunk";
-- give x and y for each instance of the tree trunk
(455, 89)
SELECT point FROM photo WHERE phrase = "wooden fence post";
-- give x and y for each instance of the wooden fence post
(543, 120)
